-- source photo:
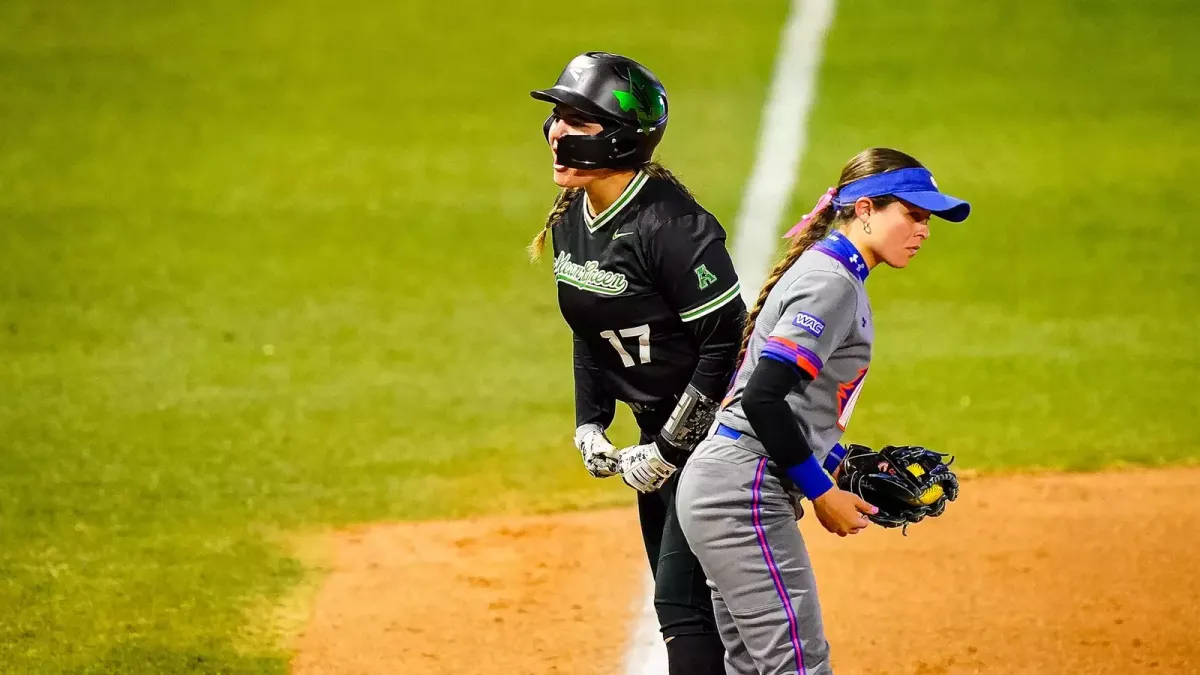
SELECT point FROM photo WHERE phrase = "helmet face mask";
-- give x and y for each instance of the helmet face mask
(620, 94)
(614, 147)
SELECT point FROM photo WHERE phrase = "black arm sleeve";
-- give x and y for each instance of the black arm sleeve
(769, 414)
(694, 274)
(719, 336)
(593, 404)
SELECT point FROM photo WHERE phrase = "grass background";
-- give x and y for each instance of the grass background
(261, 271)
(1058, 327)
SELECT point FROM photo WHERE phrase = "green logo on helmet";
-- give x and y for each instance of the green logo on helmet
(642, 97)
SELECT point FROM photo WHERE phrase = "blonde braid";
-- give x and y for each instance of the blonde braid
(561, 203)
(817, 230)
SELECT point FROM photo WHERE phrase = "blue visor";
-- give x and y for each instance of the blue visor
(915, 186)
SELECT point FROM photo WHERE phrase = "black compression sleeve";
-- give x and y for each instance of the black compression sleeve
(593, 404)
(769, 414)
(719, 336)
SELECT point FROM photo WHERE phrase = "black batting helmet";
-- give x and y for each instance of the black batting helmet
(623, 96)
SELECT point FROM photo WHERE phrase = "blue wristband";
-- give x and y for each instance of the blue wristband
(810, 477)
(835, 457)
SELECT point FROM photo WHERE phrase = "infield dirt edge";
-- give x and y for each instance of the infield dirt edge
(1045, 573)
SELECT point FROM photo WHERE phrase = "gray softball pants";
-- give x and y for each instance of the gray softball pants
(741, 524)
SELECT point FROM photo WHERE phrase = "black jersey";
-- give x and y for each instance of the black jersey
(651, 295)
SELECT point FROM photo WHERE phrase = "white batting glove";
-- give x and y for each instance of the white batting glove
(600, 456)
(643, 467)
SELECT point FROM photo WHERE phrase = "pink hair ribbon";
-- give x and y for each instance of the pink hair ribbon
(822, 203)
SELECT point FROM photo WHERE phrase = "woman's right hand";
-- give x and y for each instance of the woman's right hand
(600, 456)
(842, 512)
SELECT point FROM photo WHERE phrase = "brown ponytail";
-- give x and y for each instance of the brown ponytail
(817, 230)
(656, 170)
(866, 163)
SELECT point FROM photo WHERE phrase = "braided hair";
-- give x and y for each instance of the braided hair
(567, 197)
(823, 221)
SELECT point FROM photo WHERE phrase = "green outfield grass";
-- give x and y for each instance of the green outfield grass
(1058, 327)
(261, 272)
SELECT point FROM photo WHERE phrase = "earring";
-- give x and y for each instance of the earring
(867, 226)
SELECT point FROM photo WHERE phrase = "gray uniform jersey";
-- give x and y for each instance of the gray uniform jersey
(817, 319)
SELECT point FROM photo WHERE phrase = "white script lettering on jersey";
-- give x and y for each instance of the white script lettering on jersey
(588, 276)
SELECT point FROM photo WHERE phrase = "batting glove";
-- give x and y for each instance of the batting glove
(643, 467)
(600, 456)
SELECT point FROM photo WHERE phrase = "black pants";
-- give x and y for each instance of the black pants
(682, 598)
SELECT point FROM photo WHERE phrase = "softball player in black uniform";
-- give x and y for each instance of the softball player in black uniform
(649, 291)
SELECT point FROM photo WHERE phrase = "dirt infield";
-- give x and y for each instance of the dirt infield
(527, 595)
(1047, 574)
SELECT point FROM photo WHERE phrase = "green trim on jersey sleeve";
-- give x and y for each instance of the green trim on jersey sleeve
(712, 305)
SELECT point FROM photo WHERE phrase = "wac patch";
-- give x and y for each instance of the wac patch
(704, 278)
(809, 323)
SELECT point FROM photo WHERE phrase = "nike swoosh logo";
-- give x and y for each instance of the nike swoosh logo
(618, 235)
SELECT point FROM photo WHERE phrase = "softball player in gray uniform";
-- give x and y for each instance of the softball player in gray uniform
(806, 354)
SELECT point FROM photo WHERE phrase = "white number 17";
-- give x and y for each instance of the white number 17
(642, 333)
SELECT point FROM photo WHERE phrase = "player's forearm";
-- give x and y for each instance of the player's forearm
(764, 402)
(719, 336)
(593, 403)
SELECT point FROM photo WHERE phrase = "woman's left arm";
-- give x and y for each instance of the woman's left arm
(694, 274)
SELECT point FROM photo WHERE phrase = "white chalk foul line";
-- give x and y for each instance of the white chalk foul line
(781, 144)
(647, 655)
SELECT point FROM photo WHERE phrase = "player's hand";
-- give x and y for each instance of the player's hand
(643, 467)
(600, 456)
(842, 512)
